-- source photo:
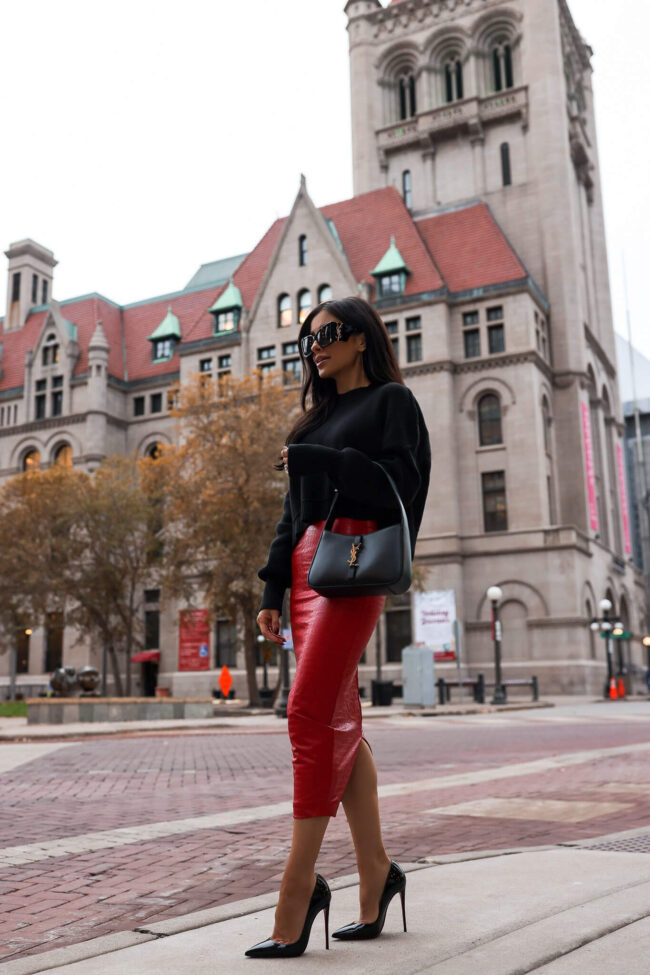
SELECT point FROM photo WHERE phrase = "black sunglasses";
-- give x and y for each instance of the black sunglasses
(326, 334)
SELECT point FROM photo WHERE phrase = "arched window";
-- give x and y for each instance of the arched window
(324, 293)
(489, 420)
(153, 451)
(304, 304)
(285, 318)
(453, 79)
(32, 460)
(302, 250)
(502, 76)
(406, 187)
(406, 93)
(51, 352)
(63, 456)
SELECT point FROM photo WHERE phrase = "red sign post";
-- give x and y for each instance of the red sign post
(193, 640)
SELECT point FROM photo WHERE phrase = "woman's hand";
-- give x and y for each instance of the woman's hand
(285, 458)
(268, 621)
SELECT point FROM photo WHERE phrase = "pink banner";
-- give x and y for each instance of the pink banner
(623, 495)
(589, 464)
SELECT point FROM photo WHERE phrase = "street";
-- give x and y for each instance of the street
(107, 835)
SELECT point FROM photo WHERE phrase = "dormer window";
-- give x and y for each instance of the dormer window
(227, 310)
(163, 349)
(165, 337)
(226, 321)
(391, 273)
(51, 351)
(302, 250)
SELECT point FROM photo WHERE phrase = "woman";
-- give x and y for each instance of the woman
(359, 420)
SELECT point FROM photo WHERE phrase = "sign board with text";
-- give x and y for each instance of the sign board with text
(194, 640)
(434, 612)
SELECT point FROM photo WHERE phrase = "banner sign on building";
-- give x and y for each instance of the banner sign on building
(589, 465)
(194, 640)
(434, 615)
(623, 496)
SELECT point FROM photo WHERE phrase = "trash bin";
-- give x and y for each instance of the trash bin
(417, 676)
(382, 692)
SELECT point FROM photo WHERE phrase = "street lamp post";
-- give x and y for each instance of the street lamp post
(604, 624)
(494, 594)
(265, 691)
(283, 698)
(13, 660)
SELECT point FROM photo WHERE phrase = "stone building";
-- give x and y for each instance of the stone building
(476, 228)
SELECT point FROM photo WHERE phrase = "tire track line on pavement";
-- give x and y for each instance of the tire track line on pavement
(123, 836)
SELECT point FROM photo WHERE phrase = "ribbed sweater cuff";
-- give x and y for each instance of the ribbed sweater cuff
(273, 595)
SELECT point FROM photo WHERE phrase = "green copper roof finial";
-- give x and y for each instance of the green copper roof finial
(230, 298)
(170, 327)
(391, 262)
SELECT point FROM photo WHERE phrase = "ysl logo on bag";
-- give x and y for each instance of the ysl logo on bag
(353, 554)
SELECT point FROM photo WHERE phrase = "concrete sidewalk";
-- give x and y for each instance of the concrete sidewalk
(561, 910)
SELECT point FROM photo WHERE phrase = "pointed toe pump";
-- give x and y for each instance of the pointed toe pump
(360, 931)
(320, 901)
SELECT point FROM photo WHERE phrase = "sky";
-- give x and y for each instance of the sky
(142, 139)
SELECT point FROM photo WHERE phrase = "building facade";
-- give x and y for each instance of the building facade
(476, 228)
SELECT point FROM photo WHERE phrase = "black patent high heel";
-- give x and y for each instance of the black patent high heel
(320, 901)
(360, 931)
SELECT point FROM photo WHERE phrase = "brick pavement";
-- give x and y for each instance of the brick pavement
(102, 784)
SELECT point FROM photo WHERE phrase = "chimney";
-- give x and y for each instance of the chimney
(30, 280)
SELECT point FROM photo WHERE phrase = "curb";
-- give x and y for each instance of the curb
(207, 725)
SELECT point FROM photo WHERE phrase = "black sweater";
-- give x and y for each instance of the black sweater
(369, 428)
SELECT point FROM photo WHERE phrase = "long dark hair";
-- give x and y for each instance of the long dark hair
(379, 361)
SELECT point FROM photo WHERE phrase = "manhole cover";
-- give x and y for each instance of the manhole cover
(626, 844)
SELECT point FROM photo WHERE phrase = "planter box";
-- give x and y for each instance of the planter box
(67, 710)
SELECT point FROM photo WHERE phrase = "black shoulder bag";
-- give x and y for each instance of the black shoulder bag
(376, 564)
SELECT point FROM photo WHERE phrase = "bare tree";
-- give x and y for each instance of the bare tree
(222, 497)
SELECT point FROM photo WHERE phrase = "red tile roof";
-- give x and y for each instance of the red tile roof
(459, 249)
(84, 313)
(469, 248)
(365, 225)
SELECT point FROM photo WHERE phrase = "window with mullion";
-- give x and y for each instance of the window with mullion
(414, 348)
(292, 369)
(226, 321)
(391, 284)
(496, 339)
(472, 342)
(495, 513)
(489, 420)
(163, 348)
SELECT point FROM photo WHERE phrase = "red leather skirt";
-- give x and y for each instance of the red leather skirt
(324, 711)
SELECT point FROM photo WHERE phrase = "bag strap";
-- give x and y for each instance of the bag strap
(330, 517)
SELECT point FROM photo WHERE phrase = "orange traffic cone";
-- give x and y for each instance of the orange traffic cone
(613, 693)
(621, 687)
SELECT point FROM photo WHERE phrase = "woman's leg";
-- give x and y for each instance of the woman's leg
(299, 878)
(361, 805)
